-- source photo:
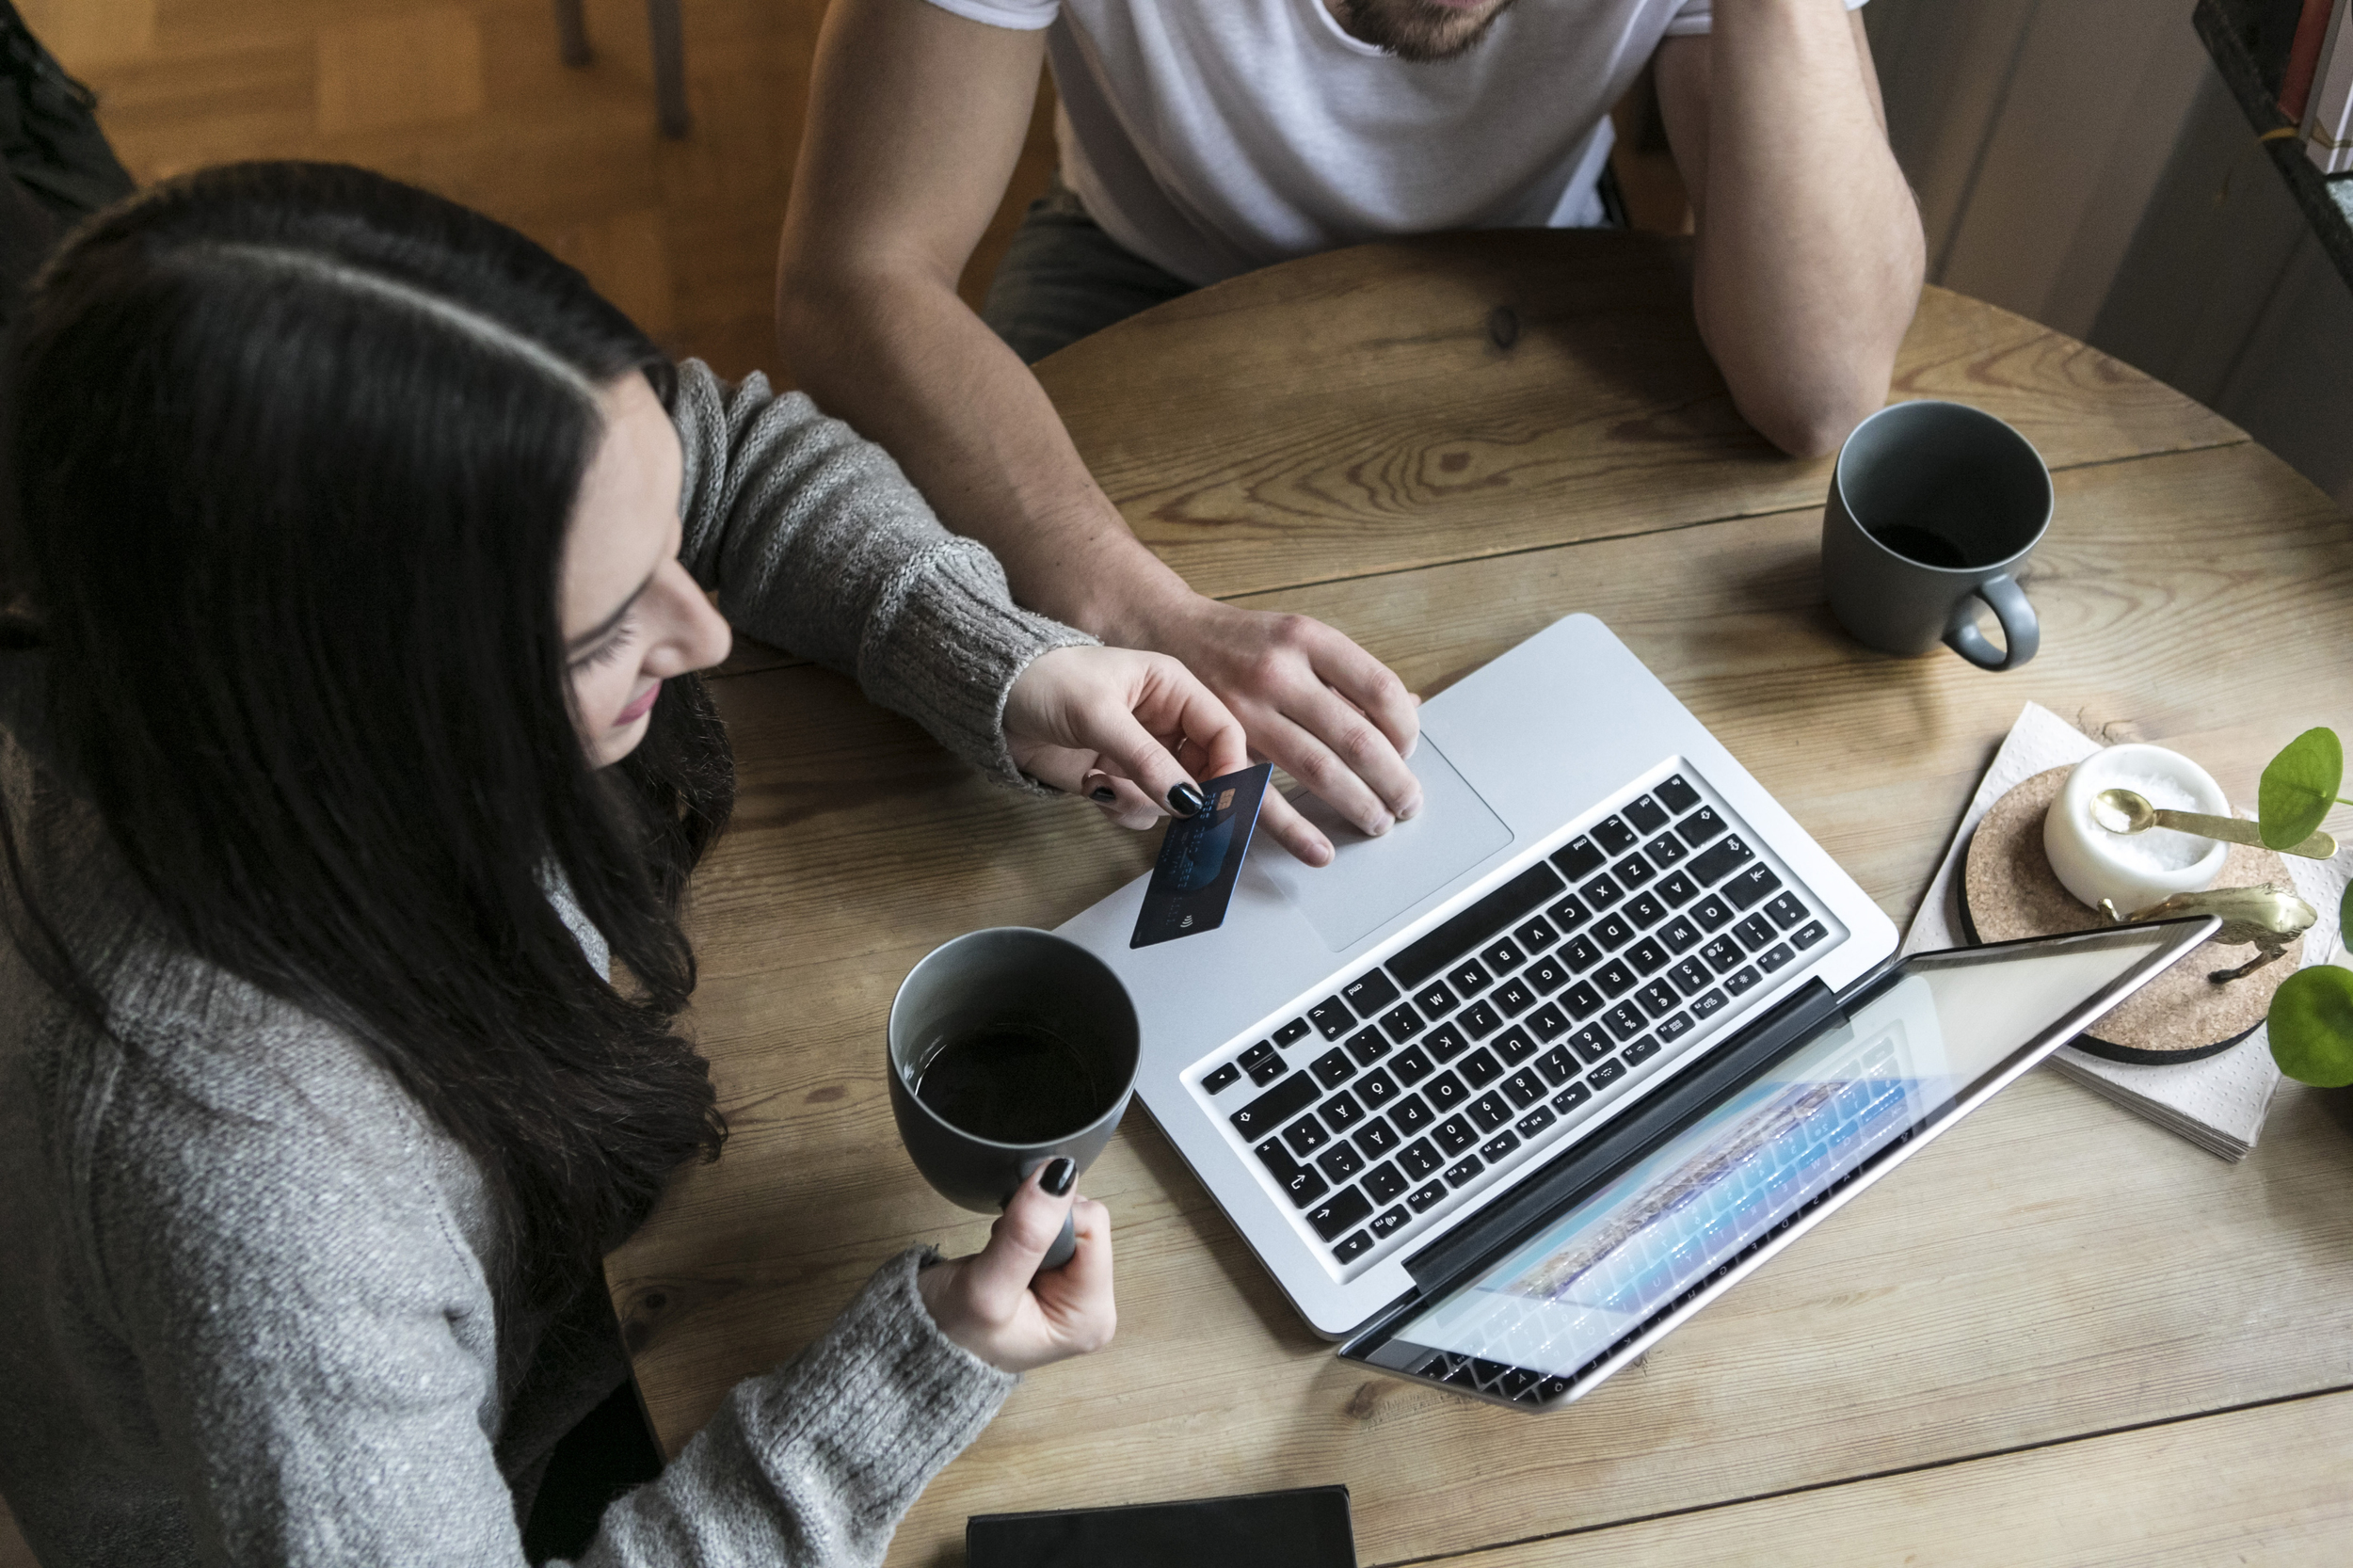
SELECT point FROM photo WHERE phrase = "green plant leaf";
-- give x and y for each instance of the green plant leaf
(2312, 1026)
(2298, 786)
(2344, 913)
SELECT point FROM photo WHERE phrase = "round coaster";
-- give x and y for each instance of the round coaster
(2009, 891)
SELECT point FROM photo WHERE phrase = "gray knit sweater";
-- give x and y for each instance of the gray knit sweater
(245, 1311)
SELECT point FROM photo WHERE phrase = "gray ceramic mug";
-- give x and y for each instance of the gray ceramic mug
(1035, 1043)
(1934, 509)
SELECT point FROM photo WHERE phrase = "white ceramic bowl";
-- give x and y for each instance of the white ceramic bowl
(2136, 869)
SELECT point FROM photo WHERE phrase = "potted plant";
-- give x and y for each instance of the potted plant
(2312, 1012)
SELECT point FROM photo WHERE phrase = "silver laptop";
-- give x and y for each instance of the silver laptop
(1596, 899)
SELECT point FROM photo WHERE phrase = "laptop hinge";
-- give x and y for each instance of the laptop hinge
(1587, 1164)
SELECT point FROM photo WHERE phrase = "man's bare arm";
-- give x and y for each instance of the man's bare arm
(916, 119)
(1809, 253)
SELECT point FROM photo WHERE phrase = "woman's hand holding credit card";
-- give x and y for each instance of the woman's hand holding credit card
(1136, 733)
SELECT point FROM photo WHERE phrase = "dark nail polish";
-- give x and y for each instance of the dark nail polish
(1059, 1175)
(1186, 800)
(1105, 793)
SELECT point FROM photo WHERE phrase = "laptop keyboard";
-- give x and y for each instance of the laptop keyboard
(1382, 1108)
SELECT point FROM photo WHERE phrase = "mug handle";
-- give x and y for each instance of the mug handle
(2019, 628)
(1066, 1244)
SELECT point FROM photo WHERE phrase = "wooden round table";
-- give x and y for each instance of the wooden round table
(2057, 1329)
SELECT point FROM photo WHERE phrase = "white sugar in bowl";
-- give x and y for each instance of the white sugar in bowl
(2136, 869)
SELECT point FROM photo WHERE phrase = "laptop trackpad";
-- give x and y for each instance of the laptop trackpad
(1371, 880)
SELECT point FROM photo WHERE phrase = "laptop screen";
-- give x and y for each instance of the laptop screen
(1904, 1059)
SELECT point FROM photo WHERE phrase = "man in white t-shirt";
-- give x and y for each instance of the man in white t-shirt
(1202, 138)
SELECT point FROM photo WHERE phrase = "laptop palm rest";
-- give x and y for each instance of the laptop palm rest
(1371, 880)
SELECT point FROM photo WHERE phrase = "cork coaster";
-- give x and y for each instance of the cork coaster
(2009, 891)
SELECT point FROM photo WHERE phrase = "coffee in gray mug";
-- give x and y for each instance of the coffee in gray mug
(1934, 509)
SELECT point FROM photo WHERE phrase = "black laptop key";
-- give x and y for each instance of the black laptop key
(1488, 1372)
(1412, 1066)
(1268, 1071)
(1751, 886)
(1224, 1078)
(1341, 1111)
(1647, 957)
(1632, 872)
(1479, 1068)
(1299, 1183)
(1571, 1097)
(1645, 814)
(1645, 910)
(1513, 1045)
(1666, 851)
(1720, 859)
(1444, 1092)
(1556, 1065)
(1411, 1114)
(1547, 974)
(1626, 1021)
(1354, 1248)
(1377, 1138)
(1466, 1170)
(1339, 1161)
(1600, 894)
(1427, 1198)
(1724, 952)
(1376, 1088)
(1810, 933)
(1501, 1144)
(1534, 1122)
(1643, 1050)
(1700, 826)
(1582, 953)
(1275, 1158)
(1524, 1087)
(1692, 976)
(1331, 1018)
(1613, 835)
(1419, 1159)
(1677, 890)
(1469, 978)
(1339, 1212)
(1707, 1006)
(1333, 1068)
(1369, 993)
(1446, 1042)
(1454, 1135)
(1774, 957)
(1613, 932)
(1369, 1044)
(1658, 999)
(1490, 1111)
(1291, 1033)
(1305, 1136)
(1582, 1001)
(1503, 956)
(1391, 1221)
(1276, 1106)
(1670, 1030)
(1786, 910)
(1712, 913)
(1754, 932)
(1615, 978)
(1569, 913)
(1607, 1074)
(1548, 1021)
(1478, 1020)
(1578, 858)
(1434, 1000)
(1591, 1043)
(1428, 955)
(1515, 998)
(1742, 979)
(1679, 935)
(1676, 794)
(1402, 1022)
(1262, 1051)
(1535, 935)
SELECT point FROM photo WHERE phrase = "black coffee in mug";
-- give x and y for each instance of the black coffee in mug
(1012, 1083)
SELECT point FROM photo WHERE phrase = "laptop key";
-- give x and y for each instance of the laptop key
(1679, 933)
(1419, 1159)
(1268, 1071)
(1278, 1104)
(1262, 1051)
(1377, 1138)
(1305, 1136)
(1615, 978)
(1341, 1111)
(1547, 974)
(1741, 981)
(1402, 1022)
(1700, 826)
(1613, 932)
(1524, 1087)
(1708, 1005)
(1369, 1044)
(1331, 1018)
(1299, 1183)
(1454, 1135)
(1376, 1088)
(1676, 794)
(1613, 835)
(1446, 1042)
(1427, 1198)
(1497, 1146)
(1333, 1068)
(1411, 1116)
(1774, 957)
(1786, 910)
(1632, 872)
(1444, 1092)
(1677, 890)
(1369, 993)
(1601, 892)
(1647, 957)
(1412, 1064)
(1517, 1383)
(1381, 1182)
(1503, 956)
(1666, 851)
(1670, 1030)
(1645, 814)
(1221, 1079)
(1478, 1020)
(1581, 953)
(1751, 886)
(1720, 861)
(1591, 1043)
(1468, 979)
(1346, 1208)
(1434, 1000)
(1607, 1074)
(1712, 913)
(1479, 1068)
(1643, 1050)
(1340, 1161)
(1691, 976)
(1515, 998)
(1389, 1222)
(1548, 1021)
(1579, 857)
(1571, 1097)
(1754, 932)
(1812, 933)
(1354, 1248)
(1626, 1021)
(1645, 910)
(1291, 1033)
(1569, 913)
(1534, 1122)
(1513, 1045)
(1490, 1111)
(1536, 936)
(1467, 1170)
(1658, 999)
(1724, 952)
(1556, 1065)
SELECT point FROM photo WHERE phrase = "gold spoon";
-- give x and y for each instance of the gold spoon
(2129, 811)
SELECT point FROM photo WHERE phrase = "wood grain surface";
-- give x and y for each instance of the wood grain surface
(2051, 1270)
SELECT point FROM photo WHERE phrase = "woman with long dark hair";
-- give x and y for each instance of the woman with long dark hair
(353, 558)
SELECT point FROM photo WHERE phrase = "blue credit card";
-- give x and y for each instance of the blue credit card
(1201, 859)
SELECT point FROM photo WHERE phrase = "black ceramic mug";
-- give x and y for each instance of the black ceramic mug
(1009, 1048)
(1934, 509)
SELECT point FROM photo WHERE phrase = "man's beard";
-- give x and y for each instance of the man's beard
(1415, 30)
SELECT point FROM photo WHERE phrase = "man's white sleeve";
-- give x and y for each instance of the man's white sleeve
(1026, 16)
(1693, 18)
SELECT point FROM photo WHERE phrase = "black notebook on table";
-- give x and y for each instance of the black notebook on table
(1307, 1528)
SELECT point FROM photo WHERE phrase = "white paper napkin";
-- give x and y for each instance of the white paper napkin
(2217, 1102)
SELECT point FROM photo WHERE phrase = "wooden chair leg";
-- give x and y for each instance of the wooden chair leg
(571, 33)
(670, 66)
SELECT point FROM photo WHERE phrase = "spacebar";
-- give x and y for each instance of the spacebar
(1417, 961)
